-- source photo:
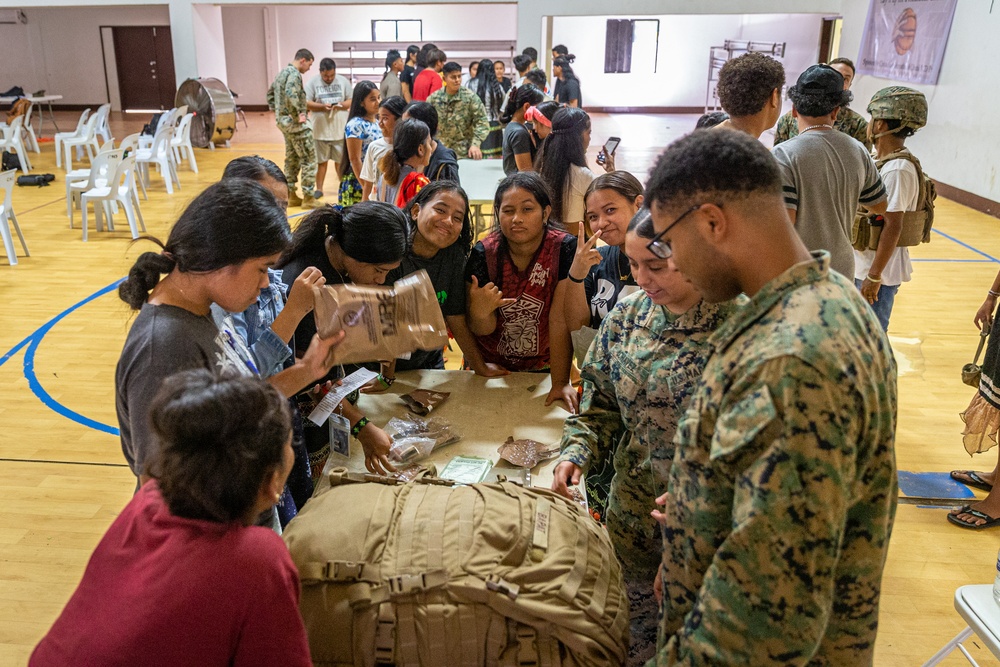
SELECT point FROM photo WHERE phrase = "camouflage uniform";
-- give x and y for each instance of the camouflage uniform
(638, 377)
(287, 99)
(848, 121)
(462, 121)
(783, 486)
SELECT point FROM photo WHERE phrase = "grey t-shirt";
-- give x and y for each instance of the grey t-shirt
(825, 174)
(163, 340)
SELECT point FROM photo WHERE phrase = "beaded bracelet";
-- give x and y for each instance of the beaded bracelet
(356, 429)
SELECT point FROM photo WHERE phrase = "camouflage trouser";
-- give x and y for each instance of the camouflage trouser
(643, 621)
(300, 153)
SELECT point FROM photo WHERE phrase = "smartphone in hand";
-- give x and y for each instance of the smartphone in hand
(609, 149)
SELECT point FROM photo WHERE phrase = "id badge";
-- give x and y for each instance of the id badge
(340, 435)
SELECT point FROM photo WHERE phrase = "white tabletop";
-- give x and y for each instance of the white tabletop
(976, 605)
(480, 179)
(32, 99)
(484, 411)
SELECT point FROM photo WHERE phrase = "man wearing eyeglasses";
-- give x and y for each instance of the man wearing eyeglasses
(782, 492)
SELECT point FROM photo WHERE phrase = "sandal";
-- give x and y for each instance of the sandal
(989, 521)
(973, 479)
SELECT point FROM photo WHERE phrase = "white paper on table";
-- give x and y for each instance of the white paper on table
(351, 383)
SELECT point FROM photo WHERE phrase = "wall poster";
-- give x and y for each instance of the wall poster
(905, 40)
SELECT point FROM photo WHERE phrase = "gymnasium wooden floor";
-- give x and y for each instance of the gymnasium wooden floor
(63, 479)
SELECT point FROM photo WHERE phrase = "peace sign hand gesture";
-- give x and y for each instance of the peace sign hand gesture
(586, 255)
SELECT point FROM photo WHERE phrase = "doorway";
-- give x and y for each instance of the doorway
(829, 39)
(144, 59)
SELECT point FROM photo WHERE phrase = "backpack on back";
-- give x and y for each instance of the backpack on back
(916, 224)
(432, 573)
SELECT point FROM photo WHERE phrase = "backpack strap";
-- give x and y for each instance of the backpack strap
(912, 159)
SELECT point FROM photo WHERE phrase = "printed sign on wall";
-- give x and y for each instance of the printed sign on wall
(904, 40)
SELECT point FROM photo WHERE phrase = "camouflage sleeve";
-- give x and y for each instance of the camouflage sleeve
(481, 124)
(781, 132)
(295, 96)
(861, 132)
(589, 437)
(270, 97)
(788, 439)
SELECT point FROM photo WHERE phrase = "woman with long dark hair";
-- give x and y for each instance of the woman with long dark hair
(409, 72)
(562, 164)
(389, 112)
(491, 93)
(517, 276)
(518, 148)
(402, 168)
(362, 129)
(361, 245)
(567, 89)
(538, 120)
(218, 252)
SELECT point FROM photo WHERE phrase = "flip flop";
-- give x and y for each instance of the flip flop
(974, 480)
(990, 521)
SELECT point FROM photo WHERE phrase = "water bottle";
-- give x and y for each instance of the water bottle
(996, 582)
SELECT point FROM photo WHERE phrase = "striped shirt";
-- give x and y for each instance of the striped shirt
(825, 174)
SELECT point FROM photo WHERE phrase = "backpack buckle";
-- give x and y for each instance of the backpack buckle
(405, 584)
(339, 570)
(498, 585)
(385, 635)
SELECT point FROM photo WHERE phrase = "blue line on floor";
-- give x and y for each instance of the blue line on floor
(35, 385)
(960, 261)
(967, 246)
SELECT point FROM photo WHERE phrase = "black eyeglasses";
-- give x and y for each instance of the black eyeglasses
(662, 248)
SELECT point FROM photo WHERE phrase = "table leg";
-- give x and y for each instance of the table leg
(53, 117)
(951, 646)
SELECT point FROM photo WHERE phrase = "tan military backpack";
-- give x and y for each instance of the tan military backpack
(916, 224)
(428, 573)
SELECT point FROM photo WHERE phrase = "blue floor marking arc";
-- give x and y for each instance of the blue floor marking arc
(35, 385)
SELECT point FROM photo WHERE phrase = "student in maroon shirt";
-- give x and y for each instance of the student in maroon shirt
(429, 79)
(182, 577)
(518, 276)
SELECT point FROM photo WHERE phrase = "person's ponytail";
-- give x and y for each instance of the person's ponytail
(144, 276)
(312, 232)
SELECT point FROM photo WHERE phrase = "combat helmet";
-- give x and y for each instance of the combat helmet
(900, 103)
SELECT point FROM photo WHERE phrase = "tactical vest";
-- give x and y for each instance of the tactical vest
(430, 573)
(916, 224)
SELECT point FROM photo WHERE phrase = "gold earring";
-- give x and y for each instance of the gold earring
(277, 497)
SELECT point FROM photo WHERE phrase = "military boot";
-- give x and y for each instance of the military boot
(311, 202)
(293, 198)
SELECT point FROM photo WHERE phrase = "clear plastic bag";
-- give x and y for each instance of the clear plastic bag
(414, 438)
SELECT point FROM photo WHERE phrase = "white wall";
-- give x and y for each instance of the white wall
(208, 38)
(961, 142)
(59, 49)
(247, 31)
(685, 40)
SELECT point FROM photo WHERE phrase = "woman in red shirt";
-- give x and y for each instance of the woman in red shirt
(516, 274)
(182, 577)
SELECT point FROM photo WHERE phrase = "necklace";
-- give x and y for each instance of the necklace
(824, 126)
(628, 268)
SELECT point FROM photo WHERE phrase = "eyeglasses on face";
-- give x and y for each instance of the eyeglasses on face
(662, 248)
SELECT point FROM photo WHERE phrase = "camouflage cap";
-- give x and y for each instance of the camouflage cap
(899, 103)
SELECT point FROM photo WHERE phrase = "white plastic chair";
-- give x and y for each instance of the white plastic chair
(160, 155)
(102, 129)
(7, 217)
(86, 140)
(11, 139)
(101, 170)
(82, 174)
(167, 118)
(180, 144)
(62, 136)
(130, 144)
(120, 189)
(28, 131)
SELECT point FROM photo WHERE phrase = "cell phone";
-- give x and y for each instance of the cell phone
(609, 149)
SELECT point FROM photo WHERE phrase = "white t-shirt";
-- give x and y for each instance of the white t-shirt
(574, 209)
(902, 188)
(329, 125)
(369, 166)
